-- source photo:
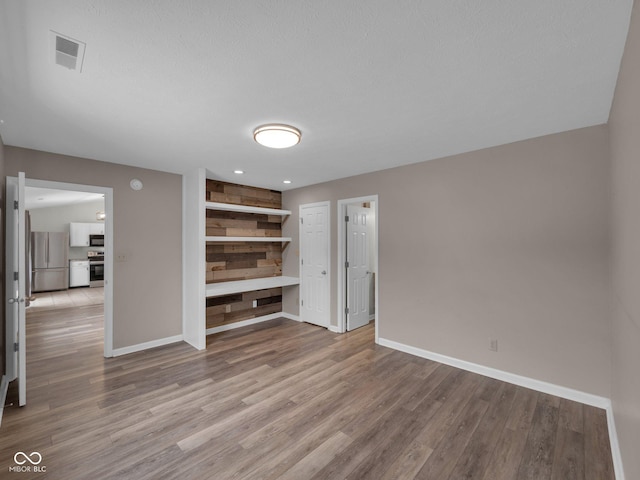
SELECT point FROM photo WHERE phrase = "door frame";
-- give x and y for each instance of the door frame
(108, 249)
(15, 312)
(326, 203)
(342, 245)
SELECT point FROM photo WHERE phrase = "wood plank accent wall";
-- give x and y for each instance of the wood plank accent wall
(242, 261)
(237, 224)
(224, 192)
(228, 261)
(240, 306)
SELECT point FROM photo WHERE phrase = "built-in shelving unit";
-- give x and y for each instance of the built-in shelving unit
(232, 256)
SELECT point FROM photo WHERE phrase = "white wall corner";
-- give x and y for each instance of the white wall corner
(193, 258)
(290, 316)
(615, 445)
(333, 328)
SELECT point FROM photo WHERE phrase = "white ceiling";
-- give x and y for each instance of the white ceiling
(177, 84)
(36, 197)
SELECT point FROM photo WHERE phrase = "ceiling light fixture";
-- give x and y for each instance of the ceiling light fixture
(286, 181)
(277, 135)
(238, 172)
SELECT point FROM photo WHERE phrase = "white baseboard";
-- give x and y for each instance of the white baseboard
(147, 345)
(245, 323)
(538, 385)
(297, 318)
(4, 386)
(527, 382)
(291, 316)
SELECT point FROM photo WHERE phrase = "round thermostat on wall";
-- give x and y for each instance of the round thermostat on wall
(136, 184)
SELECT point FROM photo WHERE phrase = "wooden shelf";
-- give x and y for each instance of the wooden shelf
(249, 239)
(229, 207)
(239, 286)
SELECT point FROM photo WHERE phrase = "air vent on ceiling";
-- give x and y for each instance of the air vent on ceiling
(68, 53)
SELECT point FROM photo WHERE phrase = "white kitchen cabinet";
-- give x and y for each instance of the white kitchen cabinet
(79, 273)
(96, 229)
(79, 233)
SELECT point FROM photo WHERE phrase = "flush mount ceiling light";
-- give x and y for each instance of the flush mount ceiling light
(277, 135)
(238, 172)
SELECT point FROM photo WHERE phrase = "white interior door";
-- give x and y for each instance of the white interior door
(16, 273)
(314, 264)
(357, 266)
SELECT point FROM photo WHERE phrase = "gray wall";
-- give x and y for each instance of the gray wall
(147, 228)
(57, 219)
(624, 123)
(509, 242)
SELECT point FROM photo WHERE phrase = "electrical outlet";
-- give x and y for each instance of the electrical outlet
(255, 303)
(122, 257)
(493, 344)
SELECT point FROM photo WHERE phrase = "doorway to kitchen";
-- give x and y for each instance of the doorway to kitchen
(358, 279)
(70, 255)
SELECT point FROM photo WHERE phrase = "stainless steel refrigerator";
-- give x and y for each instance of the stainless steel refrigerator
(50, 261)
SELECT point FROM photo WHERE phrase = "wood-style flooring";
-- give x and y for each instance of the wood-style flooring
(282, 400)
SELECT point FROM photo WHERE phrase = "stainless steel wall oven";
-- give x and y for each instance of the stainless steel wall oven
(96, 269)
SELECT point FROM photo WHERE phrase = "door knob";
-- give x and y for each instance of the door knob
(16, 300)
(324, 272)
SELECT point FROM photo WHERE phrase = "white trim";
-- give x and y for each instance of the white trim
(325, 203)
(342, 212)
(239, 286)
(193, 258)
(244, 323)
(334, 329)
(538, 385)
(290, 316)
(615, 445)
(108, 249)
(11, 323)
(4, 386)
(247, 239)
(147, 345)
(229, 207)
